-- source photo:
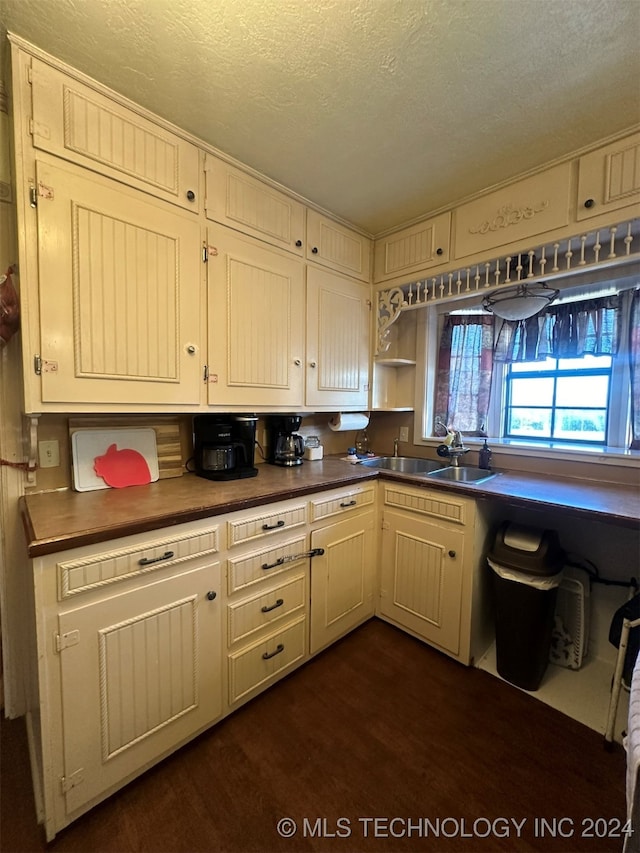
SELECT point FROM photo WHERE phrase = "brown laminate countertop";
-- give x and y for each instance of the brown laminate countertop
(56, 521)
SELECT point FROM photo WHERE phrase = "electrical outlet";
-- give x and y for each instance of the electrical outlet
(49, 454)
(404, 434)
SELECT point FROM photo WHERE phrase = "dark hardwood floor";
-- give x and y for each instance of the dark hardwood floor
(378, 726)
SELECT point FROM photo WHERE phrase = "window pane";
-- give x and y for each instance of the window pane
(587, 362)
(582, 391)
(531, 366)
(532, 392)
(535, 423)
(580, 425)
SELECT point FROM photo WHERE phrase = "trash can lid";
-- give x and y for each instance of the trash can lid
(527, 549)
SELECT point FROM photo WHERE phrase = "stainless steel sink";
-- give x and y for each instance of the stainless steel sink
(402, 464)
(462, 474)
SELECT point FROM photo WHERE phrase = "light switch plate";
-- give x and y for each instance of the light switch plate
(49, 454)
(404, 434)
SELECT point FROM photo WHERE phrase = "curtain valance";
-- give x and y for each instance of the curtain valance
(569, 330)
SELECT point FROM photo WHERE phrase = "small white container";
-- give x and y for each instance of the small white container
(313, 450)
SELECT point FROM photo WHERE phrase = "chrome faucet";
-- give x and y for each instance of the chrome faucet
(456, 449)
(395, 446)
(453, 451)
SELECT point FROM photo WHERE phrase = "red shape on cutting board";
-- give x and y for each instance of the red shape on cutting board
(121, 468)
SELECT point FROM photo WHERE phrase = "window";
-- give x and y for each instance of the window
(566, 378)
(565, 399)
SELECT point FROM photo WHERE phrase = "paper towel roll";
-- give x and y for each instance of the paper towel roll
(347, 421)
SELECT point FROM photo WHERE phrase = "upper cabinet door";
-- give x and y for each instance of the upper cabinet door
(79, 124)
(413, 249)
(337, 341)
(609, 179)
(247, 204)
(120, 293)
(337, 247)
(256, 323)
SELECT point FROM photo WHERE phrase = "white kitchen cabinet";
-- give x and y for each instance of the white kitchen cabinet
(129, 658)
(256, 323)
(337, 247)
(259, 355)
(394, 371)
(519, 212)
(410, 251)
(343, 577)
(337, 355)
(80, 124)
(238, 200)
(120, 296)
(609, 178)
(428, 560)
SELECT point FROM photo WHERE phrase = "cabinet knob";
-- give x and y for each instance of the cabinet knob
(191, 349)
(438, 251)
(297, 362)
(452, 553)
(298, 243)
(315, 250)
(211, 595)
(191, 196)
(589, 203)
(312, 364)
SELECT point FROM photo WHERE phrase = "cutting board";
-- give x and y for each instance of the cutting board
(87, 445)
(166, 428)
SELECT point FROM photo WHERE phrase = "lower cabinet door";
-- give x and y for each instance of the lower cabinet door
(342, 579)
(140, 672)
(421, 578)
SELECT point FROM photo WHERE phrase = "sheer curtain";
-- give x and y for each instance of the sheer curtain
(634, 368)
(465, 367)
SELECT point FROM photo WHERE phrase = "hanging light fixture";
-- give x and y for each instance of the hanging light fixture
(520, 302)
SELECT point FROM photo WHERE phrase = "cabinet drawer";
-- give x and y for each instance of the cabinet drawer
(518, 212)
(257, 526)
(455, 510)
(268, 606)
(75, 122)
(261, 662)
(253, 568)
(339, 504)
(109, 567)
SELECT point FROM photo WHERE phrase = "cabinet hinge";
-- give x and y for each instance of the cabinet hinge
(30, 75)
(205, 254)
(369, 304)
(37, 365)
(69, 782)
(206, 373)
(30, 127)
(33, 196)
(384, 525)
(63, 641)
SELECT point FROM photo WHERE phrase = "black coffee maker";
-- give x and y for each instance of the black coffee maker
(285, 447)
(224, 445)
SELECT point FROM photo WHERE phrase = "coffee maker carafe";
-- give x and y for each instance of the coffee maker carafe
(285, 446)
(224, 446)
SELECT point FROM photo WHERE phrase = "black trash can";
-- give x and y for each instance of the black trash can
(527, 570)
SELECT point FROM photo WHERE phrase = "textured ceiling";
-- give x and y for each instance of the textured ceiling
(379, 110)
